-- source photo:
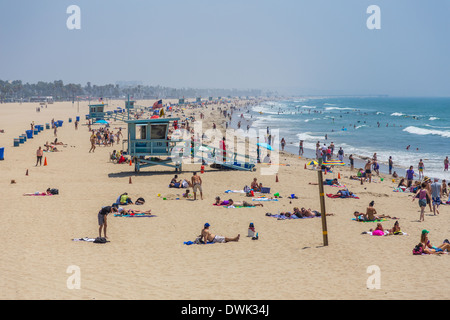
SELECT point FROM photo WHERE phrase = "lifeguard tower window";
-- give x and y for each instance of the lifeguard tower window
(158, 131)
(141, 131)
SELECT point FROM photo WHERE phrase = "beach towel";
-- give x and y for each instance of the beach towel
(235, 191)
(370, 233)
(334, 196)
(264, 199)
(84, 239)
(196, 241)
(136, 215)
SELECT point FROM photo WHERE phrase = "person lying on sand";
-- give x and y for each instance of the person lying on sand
(327, 182)
(230, 202)
(207, 236)
(125, 212)
(37, 193)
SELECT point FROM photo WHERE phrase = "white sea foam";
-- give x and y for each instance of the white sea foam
(338, 108)
(397, 114)
(308, 107)
(423, 132)
(433, 118)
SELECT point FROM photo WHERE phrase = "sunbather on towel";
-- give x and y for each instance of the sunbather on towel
(37, 193)
(230, 202)
(127, 212)
(308, 213)
(328, 182)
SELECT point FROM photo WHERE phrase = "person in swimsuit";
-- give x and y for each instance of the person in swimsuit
(207, 236)
(197, 185)
(368, 170)
(446, 162)
(421, 168)
(422, 195)
(244, 204)
(430, 249)
(371, 214)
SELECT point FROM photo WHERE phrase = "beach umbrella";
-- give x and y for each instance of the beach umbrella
(312, 163)
(333, 163)
(265, 145)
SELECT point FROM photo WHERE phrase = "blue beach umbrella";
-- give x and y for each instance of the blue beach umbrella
(265, 145)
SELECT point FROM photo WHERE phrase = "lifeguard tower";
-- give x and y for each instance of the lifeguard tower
(97, 111)
(148, 142)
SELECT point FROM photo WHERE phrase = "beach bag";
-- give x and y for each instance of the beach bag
(246, 189)
(100, 240)
(140, 201)
(54, 191)
(418, 250)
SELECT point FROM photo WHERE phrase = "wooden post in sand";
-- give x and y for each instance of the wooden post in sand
(322, 204)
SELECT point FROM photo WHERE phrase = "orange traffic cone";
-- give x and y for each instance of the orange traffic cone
(276, 180)
(339, 175)
(305, 166)
(130, 163)
(45, 161)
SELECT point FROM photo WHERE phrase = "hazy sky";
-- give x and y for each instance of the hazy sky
(294, 46)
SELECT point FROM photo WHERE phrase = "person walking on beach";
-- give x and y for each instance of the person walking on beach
(207, 236)
(391, 164)
(422, 194)
(92, 138)
(341, 154)
(102, 219)
(283, 143)
(39, 154)
(368, 171)
(421, 168)
(352, 163)
(446, 162)
(197, 185)
(436, 195)
(410, 176)
(300, 148)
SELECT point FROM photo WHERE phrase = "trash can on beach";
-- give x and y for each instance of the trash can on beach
(16, 142)
(21, 139)
(29, 134)
(2, 153)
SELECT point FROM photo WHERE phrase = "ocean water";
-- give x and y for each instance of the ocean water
(365, 125)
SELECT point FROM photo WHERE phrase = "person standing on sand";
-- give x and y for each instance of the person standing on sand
(446, 162)
(391, 164)
(283, 143)
(39, 155)
(93, 138)
(300, 148)
(436, 195)
(102, 214)
(197, 185)
(410, 176)
(352, 163)
(368, 171)
(207, 236)
(422, 194)
(421, 168)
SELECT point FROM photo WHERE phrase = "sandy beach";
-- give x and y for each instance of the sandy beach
(146, 258)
